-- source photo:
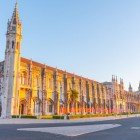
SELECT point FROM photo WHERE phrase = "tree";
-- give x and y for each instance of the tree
(73, 97)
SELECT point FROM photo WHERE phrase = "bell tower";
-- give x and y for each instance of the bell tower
(130, 88)
(12, 65)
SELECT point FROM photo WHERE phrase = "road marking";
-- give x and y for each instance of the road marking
(136, 128)
(72, 130)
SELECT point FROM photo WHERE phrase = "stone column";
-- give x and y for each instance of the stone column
(56, 96)
(66, 105)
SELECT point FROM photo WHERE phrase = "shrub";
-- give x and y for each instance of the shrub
(24, 116)
(46, 117)
(58, 117)
(88, 115)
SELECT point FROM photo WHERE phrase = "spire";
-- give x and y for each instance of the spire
(116, 79)
(139, 86)
(15, 17)
(113, 78)
(121, 81)
(130, 88)
(14, 25)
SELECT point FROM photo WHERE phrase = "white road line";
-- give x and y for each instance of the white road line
(72, 130)
(136, 128)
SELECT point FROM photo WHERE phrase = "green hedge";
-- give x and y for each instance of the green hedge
(51, 117)
(46, 117)
(89, 116)
(128, 113)
(77, 116)
(24, 116)
(58, 117)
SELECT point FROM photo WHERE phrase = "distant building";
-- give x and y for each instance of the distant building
(31, 88)
(123, 101)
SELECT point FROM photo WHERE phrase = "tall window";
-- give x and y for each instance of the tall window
(61, 92)
(17, 47)
(8, 43)
(13, 43)
(23, 78)
(50, 106)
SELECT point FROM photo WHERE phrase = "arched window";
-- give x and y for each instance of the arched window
(61, 91)
(60, 85)
(14, 21)
(23, 78)
(17, 47)
(50, 106)
(13, 43)
(8, 43)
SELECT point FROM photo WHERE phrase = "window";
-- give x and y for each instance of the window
(14, 21)
(61, 88)
(13, 28)
(50, 107)
(17, 47)
(13, 44)
(8, 44)
(61, 92)
(24, 79)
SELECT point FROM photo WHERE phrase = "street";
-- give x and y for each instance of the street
(122, 129)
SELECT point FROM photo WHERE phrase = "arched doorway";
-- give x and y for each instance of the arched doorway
(23, 107)
(61, 108)
(37, 107)
(50, 106)
(78, 107)
(84, 107)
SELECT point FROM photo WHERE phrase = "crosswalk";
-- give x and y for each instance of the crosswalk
(72, 131)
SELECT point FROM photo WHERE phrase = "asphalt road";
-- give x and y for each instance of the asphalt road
(124, 132)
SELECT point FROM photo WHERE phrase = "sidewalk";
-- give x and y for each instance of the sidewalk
(43, 121)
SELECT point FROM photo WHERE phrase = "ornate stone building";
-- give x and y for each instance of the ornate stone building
(31, 88)
(123, 101)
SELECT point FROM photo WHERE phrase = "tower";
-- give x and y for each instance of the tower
(139, 87)
(12, 65)
(130, 88)
(113, 78)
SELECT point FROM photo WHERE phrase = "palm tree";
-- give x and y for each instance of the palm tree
(73, 97)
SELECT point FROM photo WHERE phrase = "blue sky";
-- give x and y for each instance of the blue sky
(93, 38)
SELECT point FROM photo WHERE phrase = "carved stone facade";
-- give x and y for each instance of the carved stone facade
(123, 101)
(31, 88)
